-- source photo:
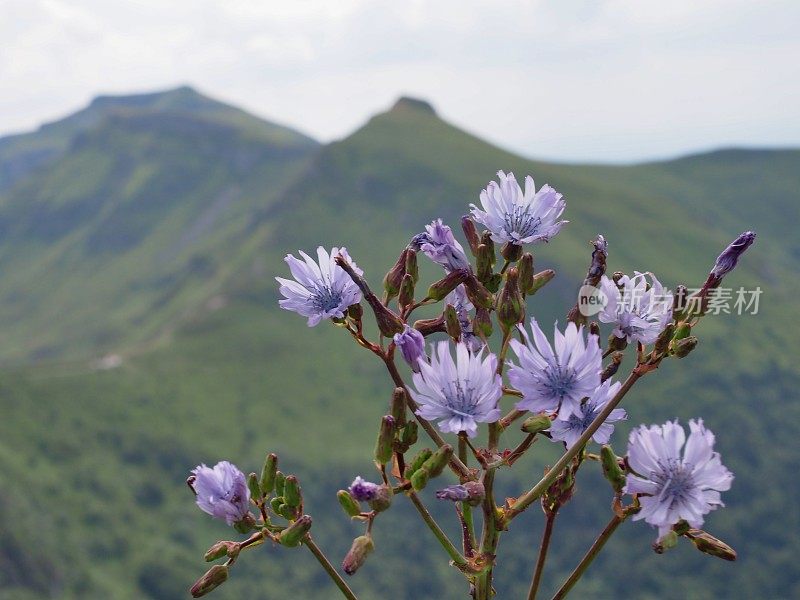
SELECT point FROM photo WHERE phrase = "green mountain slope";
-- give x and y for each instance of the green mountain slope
(99, 456)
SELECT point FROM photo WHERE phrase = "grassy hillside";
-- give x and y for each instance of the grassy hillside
(92, 501)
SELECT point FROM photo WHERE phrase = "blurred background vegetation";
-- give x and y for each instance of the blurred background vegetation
(141, 336)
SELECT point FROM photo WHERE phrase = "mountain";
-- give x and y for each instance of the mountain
(125, 245)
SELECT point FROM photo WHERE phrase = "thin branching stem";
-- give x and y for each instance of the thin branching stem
(542, 558)
(448, 546)
(329, 569)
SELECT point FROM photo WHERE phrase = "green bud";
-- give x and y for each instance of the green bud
(471, 233)
(383, 446)
(382, 500)
(392, 280)
(213, 578)
(511, 308)
(292, 495)
(541, 279)
(355, 312)
(493, 284)
(486, 240)
(536, 424)
(511, 252)
(447, 284)
(682, 332)
(411, 265)
(438, 460)
(268, 474)
(419, 479)
(708, 544)
(276, 504)
(348, 503)
(611, 468)
(684, 346)
(428, 326)
(254, 486)
(220, 549)
(406, 297)
(482, 323)
(361, 548)
(477, 293)
(280, 480)
(666, 542)
(287, 512)
(663, 340)
(525, 266)
(399, 402)
(451, 323)
(409, 437)
(294, 533)
(246, 524)
(418, 461)
(484, 263)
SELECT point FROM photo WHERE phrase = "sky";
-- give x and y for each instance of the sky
(569, 80)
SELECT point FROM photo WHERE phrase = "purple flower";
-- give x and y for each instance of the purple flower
(439, 244)
(517, 217)
(471, 492)
(459, 393)
(555, 380)
(321, 290)
(570, 430)
(638, 313)
(362, 490)
(672, 487)
(730, 256)
(222, 492)
(412, 346)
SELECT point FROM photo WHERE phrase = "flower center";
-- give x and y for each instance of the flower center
(460, 398)
(559, 380)
(675, 480)
(325, 298)
(521, 222)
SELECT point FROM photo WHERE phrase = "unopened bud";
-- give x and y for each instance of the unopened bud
(382, 499)
(409, 437)
(245, 524)
(429, 326)
(477, 293)
(420, 478)
(482, 323)
(348, 503)
(471, 233)
(254, 486)
(393, 279)
(358, 553)
(399, 400)
(536, 424)
(525, 267)
(447, 284)
(388, 322)
(418, 461)
(355, 312)
(611, 468)
(438, 460)
(486, 240)
(268, 474)
(511, 252)
(730, 256)
(451, 323)
(617, 344)
(292, 495)
(411, 264)
(683, 347)
(294, 533)
(541, 279)
(612, 367)
(667, 541)
(280, 480)
(511, 308)
(683, 331)
(663, 340)
(708, 544)
(383, 446)
(276, 503)
(213, 578)
(220, 549)
(406, 296)
(484, 263)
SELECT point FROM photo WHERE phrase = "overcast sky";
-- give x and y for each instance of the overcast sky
(571, 80)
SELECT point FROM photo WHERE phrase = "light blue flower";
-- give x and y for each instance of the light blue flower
(363, 490)
(440, 245)
(222, 492)
(568, 431)
(640, 310)
(412, 346)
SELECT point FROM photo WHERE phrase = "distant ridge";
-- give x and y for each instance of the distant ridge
(409, 103)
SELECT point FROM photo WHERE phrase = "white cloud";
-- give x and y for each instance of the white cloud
(571, 80)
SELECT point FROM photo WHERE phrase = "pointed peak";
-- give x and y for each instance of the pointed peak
(180, 97)
(405, 103)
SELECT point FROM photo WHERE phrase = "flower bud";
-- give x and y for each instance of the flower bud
(383, 446)
(245, 524)
(438, 460)
(399, 401)
(726, 261)
(280, 480)
(276, 503)
(406, 297)
(254, 486)
(409, 437)
(382, 499)
(536, 424)
(411, 344)
(484, 263)
(358, 553)
(471, 233)
(683, 347)
(419, 479)
(440, 289)
(708, 544)
(268, 474)
(348, 503)
(683, 331)
(511, 308)
(666, 542)
(617, 344)
(355, 312)
(411, 264)
(471, 492)
(611, 468)
(612, 367)
(486, 240)
(213, 578)
(511, 252)
(477, 293)
(294, 533)
(292, 496)
(220, 549)
(665, 337)
(482, 323)
(429, 326)
(393, 279)
(451, 323)
(541, 279)
(525, 267)
(388, 322)
(418, 461)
